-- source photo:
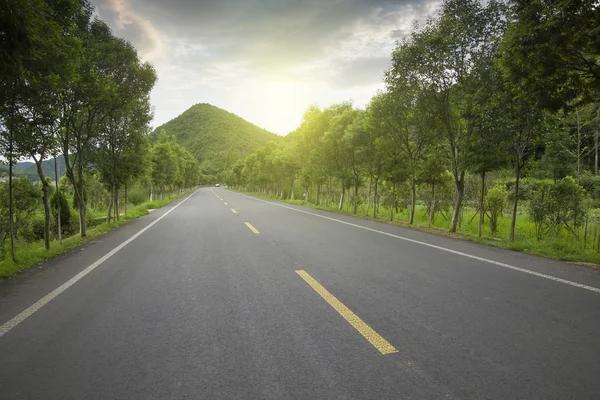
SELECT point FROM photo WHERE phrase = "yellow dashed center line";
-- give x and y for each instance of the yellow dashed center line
(376, 340)
(253, 229)
(233, 211)
(226, 204)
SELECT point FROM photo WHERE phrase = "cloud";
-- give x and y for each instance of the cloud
(132, 27)
(220, 51)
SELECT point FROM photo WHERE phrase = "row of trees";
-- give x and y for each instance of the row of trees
(69, 86)
(480, 89)
(168, 169)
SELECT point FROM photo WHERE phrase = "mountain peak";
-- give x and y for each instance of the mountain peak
(216, 137)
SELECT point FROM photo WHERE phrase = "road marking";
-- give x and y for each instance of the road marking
(460, 253)
(46, 299)
(226, 204)
(253, 229)
(233, 211)
(373, 337)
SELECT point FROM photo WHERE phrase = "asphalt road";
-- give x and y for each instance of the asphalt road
(282, 302)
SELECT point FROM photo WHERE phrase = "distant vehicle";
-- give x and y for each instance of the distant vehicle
(217, 185)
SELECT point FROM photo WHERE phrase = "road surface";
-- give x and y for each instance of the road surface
(223, 296)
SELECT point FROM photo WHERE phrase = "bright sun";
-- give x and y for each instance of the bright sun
(279, 106)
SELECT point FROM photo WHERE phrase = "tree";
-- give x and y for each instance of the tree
(486, 148)
(551, 50)
(433, 173)
(165, 168)
(442, 60)
(404, 117)
(525, 128)
(122, 148)
(109, 77)
(337, 149)
(357, 140)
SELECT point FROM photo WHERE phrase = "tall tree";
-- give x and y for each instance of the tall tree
(551, 49)
(441, 59)
(110, 77)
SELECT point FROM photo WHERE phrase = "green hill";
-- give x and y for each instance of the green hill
(28, 169)
(217, 138)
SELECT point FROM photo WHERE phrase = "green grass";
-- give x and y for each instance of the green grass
(30, 254)
(563, 246)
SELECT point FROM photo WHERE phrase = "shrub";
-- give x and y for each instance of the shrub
(557, 205)
(540, 207)
(571, 204)
(36, 228)
(591, 184)
(495, 204)
(65, 211)
(136, 196)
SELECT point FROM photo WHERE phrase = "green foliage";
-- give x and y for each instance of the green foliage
(215, 137)
(591, 184)
(137, 196)
(495, 204)
(29, 199)
(552, 51)
(557, 205)
(65, 211)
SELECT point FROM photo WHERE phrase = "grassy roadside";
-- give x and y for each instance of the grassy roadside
(31, 254)
(563, 248)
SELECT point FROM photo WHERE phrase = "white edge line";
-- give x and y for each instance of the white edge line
(46, 299)
(460, 253)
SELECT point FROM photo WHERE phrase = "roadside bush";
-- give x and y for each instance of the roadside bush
(591, 184)
(35, 229)
(136, 196)
(540, 207)
(496, 200)
(571, 204)
(65, 211)
(27, 198)
(558, 205)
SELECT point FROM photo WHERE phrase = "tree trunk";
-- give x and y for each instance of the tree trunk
(292, 191)
(375, 199)
(369, 196)
(150, 191)
(432, 205)
(413, 198)
(125, 200)
(578, 144)
(81, 198)
(318, 194)
(355, 195)
(393, 202)
(596, 149)
(514, 216)
(82, 222)
(117, 213)
(58, 203)
(11, 215)
(342, 198)
(460, 191)
(481, 205)
(45, 202)
(110, 205)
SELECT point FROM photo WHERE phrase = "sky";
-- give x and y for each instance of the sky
(264, 60)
